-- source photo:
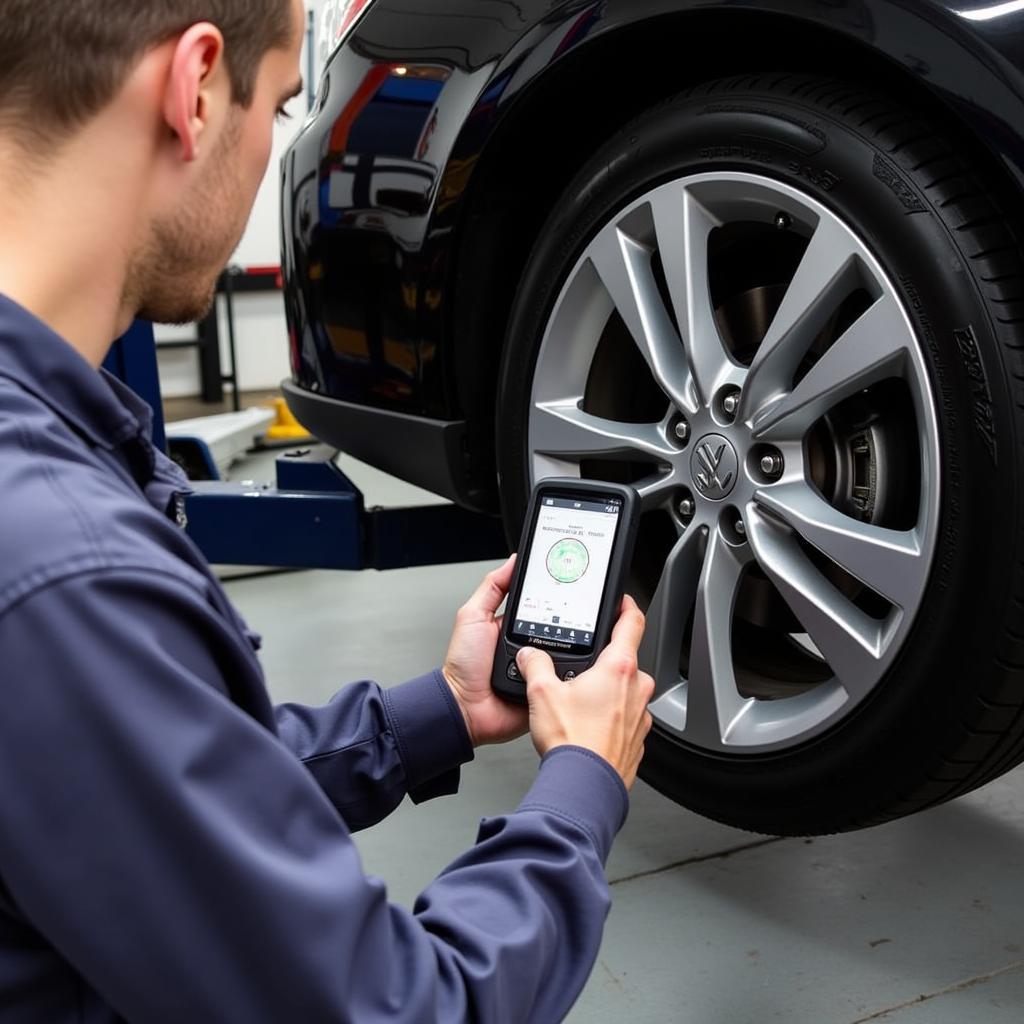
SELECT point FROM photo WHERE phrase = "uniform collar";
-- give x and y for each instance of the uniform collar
(94, 404)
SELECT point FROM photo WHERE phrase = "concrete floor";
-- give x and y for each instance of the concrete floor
(917, 922)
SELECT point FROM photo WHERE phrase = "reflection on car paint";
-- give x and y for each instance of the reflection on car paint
(375, 160)
(377, 147)
(410, 101)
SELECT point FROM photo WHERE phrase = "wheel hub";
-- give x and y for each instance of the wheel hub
(714, 466)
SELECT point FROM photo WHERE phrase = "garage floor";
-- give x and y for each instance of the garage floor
(918, 922)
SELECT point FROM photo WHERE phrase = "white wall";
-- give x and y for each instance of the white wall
(260, 330)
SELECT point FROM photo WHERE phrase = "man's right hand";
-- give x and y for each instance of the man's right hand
(603, 709)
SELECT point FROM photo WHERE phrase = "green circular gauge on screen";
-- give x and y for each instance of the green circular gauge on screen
(568, 560)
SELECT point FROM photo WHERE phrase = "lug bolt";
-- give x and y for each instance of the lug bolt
(782, 221)
(686, 508)
(771, 465)
(682, 431)
(731, 403)
(740, 528)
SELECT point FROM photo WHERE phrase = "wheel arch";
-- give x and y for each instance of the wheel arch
(510, 193)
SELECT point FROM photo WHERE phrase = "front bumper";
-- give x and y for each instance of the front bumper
(425, 452)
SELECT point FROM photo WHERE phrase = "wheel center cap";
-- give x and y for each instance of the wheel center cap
(714, 466)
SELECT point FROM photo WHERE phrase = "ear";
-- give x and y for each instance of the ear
(197, 56)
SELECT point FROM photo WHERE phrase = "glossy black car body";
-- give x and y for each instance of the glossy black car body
(444, 131)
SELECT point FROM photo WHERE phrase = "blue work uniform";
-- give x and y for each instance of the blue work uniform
(175, 849)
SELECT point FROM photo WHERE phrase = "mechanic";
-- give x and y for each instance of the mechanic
(172, 847)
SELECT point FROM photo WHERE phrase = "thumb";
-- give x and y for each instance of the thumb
(535, 665)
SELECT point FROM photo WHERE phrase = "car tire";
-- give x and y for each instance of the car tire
(945, 714)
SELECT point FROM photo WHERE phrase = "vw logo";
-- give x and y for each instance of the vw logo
(713, 466)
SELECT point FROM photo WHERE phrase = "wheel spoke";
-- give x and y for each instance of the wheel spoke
(656, 490)
(873, 348)
(624, 267)
(670, 610)
(849, 640)
(890, 562)
(682, 226)
(826, 275)
(563, 428)
(713, 702)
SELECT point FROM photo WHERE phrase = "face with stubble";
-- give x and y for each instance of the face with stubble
(172, 277)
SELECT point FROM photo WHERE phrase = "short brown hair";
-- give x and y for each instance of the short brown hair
(63, 61)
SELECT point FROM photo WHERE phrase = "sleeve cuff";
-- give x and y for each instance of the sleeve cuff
(430, 733)
(584, 788)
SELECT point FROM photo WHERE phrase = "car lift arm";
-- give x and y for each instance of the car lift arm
(314, 517)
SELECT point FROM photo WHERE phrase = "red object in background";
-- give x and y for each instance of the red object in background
(268, 270)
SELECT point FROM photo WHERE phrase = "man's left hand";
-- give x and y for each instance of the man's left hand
(467, 667)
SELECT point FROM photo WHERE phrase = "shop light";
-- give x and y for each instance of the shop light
(993, 11)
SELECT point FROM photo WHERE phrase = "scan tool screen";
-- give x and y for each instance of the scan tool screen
(566, 571)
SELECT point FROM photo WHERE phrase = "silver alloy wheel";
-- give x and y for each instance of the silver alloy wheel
(734, 508)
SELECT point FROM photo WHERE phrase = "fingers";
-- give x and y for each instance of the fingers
(492, 590)
(535, 665)
(646, 687)
(629, 629)
(503, 574)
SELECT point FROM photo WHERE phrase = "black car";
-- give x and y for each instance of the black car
(760, 259)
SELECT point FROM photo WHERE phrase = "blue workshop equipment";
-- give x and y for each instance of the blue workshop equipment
(313, 516)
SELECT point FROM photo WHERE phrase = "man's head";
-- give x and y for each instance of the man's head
(185, 91)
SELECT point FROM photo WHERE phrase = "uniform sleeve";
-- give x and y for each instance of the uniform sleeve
(182, 859)
(368, 747)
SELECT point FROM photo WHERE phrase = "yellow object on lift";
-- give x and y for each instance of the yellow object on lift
(285, 426)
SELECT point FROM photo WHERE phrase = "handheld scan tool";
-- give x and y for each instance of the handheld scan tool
(567, 586)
